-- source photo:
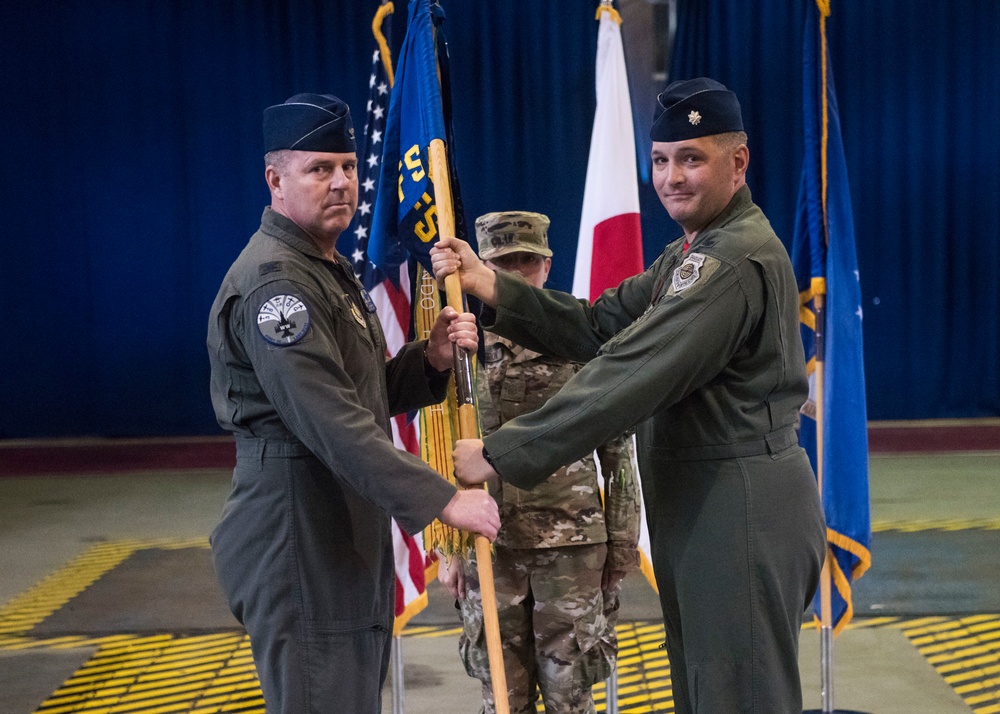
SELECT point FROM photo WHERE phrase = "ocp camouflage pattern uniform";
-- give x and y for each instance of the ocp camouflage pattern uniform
(556, 624)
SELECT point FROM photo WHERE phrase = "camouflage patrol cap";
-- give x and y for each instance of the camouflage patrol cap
(506, 232)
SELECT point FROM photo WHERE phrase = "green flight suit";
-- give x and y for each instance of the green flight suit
(701, 353)
(304, 546)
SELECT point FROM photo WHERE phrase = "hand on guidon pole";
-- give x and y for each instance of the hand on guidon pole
(451, 328)
(451, 255)
(473, 510)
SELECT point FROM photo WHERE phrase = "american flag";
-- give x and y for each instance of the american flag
(394, 312)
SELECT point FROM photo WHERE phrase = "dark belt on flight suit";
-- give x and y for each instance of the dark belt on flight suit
(773, 443)
(258, 449)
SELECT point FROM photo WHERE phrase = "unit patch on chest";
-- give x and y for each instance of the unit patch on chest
(283, 320)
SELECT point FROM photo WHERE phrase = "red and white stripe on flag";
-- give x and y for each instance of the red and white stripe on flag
(609, 224)
(610, 243)
(393, 306)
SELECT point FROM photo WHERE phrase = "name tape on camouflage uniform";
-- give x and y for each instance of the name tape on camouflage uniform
(283, 320)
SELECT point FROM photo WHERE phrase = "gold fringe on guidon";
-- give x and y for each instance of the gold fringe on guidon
(438, 425)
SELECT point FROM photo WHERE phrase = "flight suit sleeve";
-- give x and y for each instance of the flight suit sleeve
(621, 502)
(318, 400)
(558, 324)
(411, 382)
(677, 345)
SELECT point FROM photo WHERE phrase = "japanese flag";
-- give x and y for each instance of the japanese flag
(610, 243)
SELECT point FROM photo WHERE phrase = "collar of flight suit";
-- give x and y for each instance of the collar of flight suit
(740, 201)
(286, 230)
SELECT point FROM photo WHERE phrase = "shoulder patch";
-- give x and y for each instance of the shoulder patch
(694, 269)
(688, 272)
(283, 320)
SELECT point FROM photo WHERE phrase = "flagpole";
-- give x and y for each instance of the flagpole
(398, 687)
(825, 582)
(468, 428)
(823, 328)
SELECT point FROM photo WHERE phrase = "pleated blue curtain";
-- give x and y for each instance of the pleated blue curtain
(919, 92)
(133, 174)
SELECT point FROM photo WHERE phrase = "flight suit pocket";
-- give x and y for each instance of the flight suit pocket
(721, 686)
(341, 667)
(351, 325)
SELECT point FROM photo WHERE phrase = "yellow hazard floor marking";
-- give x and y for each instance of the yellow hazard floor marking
(966, 652)
(214, 673)
(967, 524)
(20, 615)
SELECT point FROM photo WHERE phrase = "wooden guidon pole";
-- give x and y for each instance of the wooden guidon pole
(468, 428)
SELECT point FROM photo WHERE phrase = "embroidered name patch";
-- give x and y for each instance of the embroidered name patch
(283, 320)
(688, 272)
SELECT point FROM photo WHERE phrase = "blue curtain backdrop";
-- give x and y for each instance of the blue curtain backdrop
(919, 88)
(134, 174)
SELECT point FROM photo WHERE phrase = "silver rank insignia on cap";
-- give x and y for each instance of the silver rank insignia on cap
(695, 118)
(283, 320)
(688, 273)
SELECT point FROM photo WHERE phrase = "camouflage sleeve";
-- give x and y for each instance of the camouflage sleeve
(621, 503)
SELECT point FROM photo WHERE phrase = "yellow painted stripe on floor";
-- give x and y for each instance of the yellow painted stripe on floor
(958, 524)
(214, 673)
(24, 612)
(965, 651)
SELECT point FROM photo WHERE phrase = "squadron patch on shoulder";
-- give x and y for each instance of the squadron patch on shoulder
(688, 272)
(283, 320)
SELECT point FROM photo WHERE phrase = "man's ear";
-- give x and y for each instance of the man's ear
(273, 179)
(741, 159)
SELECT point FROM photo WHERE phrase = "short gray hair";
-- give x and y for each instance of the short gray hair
(278, 159)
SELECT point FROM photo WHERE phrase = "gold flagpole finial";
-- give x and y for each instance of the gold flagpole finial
(608, 7)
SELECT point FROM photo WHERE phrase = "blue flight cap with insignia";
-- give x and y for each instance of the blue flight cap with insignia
(690, 108)
(309, 122)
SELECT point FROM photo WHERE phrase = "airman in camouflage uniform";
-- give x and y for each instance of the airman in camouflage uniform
(559, 554)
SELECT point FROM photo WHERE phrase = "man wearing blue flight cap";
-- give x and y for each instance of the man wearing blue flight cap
(701, 354)
(299, 375)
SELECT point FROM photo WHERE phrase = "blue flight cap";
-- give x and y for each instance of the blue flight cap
(309, 122)
(690, 108)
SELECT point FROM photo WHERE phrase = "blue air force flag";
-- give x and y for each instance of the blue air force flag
(826, 269)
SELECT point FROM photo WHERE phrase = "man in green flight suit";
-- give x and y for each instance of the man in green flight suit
(303, 549)
(702, 354)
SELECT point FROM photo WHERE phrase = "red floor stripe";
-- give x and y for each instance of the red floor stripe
(109, 456)
(916, 437)
(113, 456)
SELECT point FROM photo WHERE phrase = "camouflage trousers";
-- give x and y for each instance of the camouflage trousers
(557, 627)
